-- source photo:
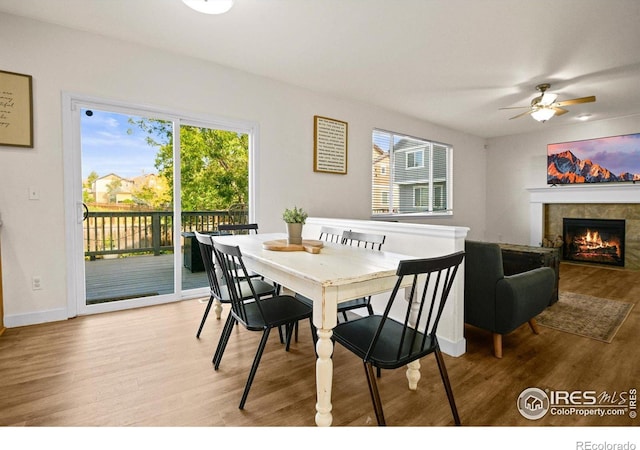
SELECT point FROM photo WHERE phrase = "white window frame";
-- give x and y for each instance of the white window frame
(422, 190)
(414, 166)
(435, 188)
(438, 195)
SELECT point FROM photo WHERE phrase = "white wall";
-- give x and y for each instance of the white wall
(515, 163)
(63, 60)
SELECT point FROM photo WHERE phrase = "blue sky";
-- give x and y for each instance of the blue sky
(112, 145)
(617, 153)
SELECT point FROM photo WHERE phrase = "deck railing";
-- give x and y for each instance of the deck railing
(150, 232)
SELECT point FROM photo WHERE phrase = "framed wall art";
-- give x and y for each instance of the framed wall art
(16, 110)
(330, 145)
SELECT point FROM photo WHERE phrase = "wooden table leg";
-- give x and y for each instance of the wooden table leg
(324, 378)
(413, 368)
(413, 374)
(217, 308)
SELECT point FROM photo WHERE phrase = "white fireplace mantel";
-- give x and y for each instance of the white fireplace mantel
(538, 197)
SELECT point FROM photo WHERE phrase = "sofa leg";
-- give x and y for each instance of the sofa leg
(534, 326)
(497, 345)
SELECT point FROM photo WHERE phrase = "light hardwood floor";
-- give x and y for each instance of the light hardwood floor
(145, 367)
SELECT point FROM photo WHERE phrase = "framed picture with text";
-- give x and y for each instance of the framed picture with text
(16, 110)
(330, 145)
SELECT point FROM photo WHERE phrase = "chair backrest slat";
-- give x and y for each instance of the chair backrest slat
(206, 251)
(235, 274)
(330, 234)
(366, 240)
(235, 228)
(431, 283)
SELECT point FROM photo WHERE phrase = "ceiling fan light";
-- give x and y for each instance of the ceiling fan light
(543, 114)
(209, 6)
(548, 99)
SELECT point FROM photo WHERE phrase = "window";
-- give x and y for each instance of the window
(411, 176)
(420, 196)
(415, 159)
(385, 197)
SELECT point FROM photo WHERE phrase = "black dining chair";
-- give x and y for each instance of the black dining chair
(256, 313)
(241, 228)
(364, 240)
(238, 228)
(354, 239)
(218, 292)
(238, 213)
(387, 343)
(330, 234)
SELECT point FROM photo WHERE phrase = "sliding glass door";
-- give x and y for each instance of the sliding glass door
(127, 228)
(145, 181)
(214, 187)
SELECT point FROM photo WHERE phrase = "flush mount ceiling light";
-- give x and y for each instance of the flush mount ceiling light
(209, 6)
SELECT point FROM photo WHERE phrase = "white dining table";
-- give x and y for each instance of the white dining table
(337, 273)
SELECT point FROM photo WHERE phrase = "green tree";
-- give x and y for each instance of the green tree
(214, 164)
(93, 176)
(153, 193)
(87, 187)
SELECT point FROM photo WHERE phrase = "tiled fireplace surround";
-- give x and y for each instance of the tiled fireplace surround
(549, 205)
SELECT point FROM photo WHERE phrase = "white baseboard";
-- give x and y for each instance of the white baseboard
(453, 348)
(21, 320)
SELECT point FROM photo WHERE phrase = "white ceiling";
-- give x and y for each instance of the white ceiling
(450, 62)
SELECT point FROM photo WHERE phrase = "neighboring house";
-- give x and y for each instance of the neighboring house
(148, 189)
(411, 174)
(113, 188)
(381, 179)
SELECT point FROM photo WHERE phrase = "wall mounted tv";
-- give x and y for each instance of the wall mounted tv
(602, 160)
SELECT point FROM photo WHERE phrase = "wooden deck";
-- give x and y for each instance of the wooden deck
(135, 276)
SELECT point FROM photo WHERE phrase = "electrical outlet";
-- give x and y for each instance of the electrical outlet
(36, 283)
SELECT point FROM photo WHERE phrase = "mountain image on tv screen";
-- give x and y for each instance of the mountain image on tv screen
(602, 160)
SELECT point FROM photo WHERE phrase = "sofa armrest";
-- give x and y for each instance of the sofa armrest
(521, 297)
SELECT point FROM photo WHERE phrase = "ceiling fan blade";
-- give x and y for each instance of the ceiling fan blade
(575, 101)
(560, 111)
(515, 107)
(520, 115)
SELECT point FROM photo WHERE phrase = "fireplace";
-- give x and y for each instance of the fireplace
(598, 241)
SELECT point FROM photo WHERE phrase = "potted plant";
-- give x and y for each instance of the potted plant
(295, 219)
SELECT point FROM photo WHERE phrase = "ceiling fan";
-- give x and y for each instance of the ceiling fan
(545, 106)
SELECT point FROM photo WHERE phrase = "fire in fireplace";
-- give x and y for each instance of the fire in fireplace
(594, 240)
